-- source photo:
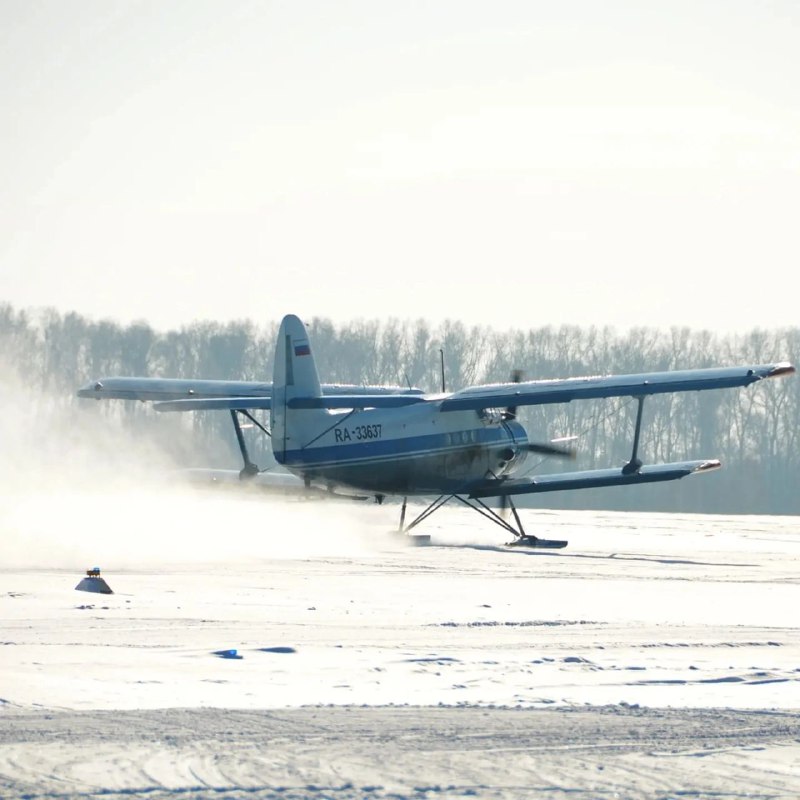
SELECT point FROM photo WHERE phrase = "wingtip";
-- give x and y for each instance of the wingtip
(709, 466)
(90, 389)
(782, 370)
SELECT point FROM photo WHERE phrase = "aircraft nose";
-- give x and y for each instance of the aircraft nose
(508, 454)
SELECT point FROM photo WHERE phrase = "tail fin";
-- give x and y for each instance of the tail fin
(294, 374)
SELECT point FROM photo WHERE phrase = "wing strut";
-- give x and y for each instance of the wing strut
(249, 469)
(635, 464)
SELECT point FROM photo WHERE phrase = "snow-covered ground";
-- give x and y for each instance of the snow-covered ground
(657, 656)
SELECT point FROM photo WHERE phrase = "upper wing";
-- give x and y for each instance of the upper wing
(170, 389)
(179, 394)
(255, 394)
(565, 390)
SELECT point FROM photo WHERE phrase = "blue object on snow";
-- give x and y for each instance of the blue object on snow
(227, 654)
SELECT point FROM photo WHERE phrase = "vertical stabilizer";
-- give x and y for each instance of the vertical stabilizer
(294, 375)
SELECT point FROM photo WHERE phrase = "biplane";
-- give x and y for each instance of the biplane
(467, 445)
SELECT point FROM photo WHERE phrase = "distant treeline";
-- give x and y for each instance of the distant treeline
(754, 431)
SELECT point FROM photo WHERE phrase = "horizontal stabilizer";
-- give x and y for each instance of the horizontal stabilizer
(594, 478)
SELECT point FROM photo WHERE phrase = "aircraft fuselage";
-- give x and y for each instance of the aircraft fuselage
(415, 450)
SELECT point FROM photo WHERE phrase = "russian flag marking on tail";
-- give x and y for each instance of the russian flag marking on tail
(302, 349)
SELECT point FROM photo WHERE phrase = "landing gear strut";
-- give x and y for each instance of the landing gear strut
(521, 538)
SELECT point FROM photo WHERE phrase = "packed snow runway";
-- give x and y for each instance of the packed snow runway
(268, 648)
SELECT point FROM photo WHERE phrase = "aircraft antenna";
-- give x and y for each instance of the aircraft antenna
(441, 358)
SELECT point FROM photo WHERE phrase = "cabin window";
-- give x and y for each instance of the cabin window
(490, 416)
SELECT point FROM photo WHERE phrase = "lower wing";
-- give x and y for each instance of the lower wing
(593, 478)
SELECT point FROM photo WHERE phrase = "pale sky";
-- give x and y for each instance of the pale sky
(505, 163)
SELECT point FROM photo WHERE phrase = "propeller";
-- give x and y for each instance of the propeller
(550, 449)
(511, 411)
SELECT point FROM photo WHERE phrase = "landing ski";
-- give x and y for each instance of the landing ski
(539, 544)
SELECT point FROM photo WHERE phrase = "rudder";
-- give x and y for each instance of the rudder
(294, 374)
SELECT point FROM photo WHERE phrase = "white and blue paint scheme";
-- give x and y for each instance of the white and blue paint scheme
(386, 444)
(391, 441)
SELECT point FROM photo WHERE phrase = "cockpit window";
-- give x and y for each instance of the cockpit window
(490, 416)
